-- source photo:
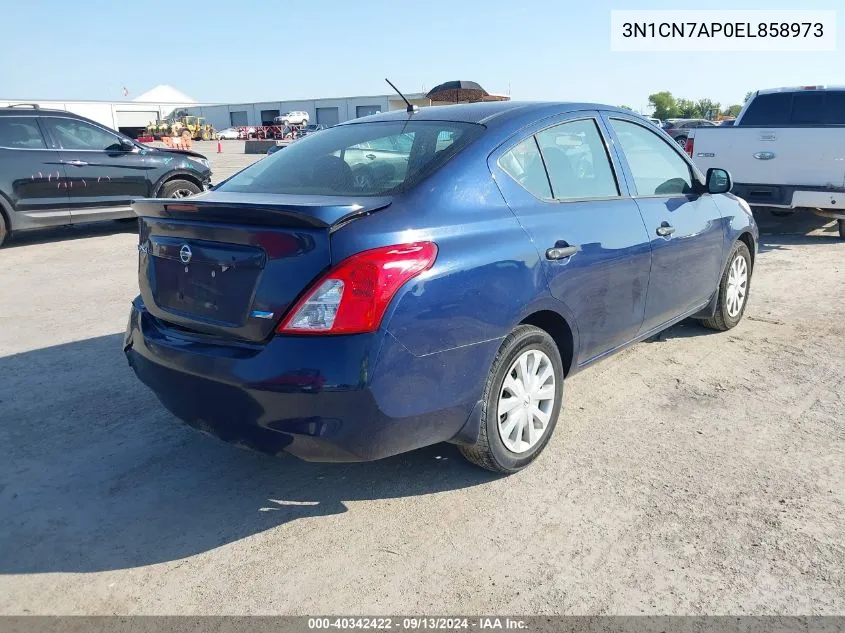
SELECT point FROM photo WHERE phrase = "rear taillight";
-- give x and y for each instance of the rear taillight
(688, 146)
(353, 296)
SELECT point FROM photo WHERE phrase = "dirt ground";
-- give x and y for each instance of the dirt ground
(694, 473)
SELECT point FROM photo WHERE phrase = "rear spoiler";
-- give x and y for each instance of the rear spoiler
(270, 210)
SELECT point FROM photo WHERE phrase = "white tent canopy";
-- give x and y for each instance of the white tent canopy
(164, 94)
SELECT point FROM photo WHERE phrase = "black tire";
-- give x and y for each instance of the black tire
(840, 222)
(4, 230)
(170, 188)
(681, 140)
(723, 320)
(489, 451)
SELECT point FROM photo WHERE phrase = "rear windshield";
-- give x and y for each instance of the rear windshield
(363, 159)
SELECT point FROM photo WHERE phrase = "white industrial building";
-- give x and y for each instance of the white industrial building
(324, 111)
(130, 117)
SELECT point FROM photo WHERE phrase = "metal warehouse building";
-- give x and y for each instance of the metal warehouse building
(324, 111)
(132, 117)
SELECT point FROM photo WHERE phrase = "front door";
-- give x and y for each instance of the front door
(103, 178)
(685, 226)
(31, 175)
(561, 184)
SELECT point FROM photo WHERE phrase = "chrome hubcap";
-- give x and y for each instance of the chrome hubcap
(526, 401)
(182, 193)
(737, 285)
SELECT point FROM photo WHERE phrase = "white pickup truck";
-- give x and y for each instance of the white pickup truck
(785, 152)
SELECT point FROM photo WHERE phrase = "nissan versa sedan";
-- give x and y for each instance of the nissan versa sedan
(441, 289)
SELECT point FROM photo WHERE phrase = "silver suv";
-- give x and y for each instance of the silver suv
(296, 117)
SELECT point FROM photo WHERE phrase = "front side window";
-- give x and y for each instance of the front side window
(76, 135)
(577, 161)
(524, 164)
(20, 133)
(657, 168)
(365, 159)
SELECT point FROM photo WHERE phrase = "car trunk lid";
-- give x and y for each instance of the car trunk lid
(231, 265)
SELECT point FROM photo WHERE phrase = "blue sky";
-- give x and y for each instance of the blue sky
(238, 52)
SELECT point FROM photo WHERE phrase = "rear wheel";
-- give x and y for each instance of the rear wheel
(841, 230)
(733, 290)
(178, 189)
(681, 140)
(4, 230)
(521, 402)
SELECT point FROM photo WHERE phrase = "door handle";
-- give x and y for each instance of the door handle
(665, 229)
(561, 252)
(371, 156)
(75, 163)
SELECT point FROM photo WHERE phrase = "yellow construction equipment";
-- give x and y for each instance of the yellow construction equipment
(194, 127)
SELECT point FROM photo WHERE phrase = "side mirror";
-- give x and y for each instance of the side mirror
(126, 145)
(718, 180)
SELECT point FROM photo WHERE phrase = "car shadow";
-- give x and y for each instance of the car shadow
(70, 232)
(688, 328)
(96, 475)
(802, 227)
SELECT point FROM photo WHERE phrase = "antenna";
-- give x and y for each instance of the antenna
(411, 108)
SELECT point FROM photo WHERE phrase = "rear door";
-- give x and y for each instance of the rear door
(686, 228)
(561, 183)
(32, 176)
(103, 178)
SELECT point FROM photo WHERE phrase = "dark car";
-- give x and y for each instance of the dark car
(59, 168)
(305, 130)
(342, 303)
(679, 130)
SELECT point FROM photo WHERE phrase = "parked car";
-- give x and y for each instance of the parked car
(305, 130)
(447, 297)
(230, 133)
(295, 117)
(785, 151)
(679, 130)
(60, 168)
(657, 122)
(726, 122)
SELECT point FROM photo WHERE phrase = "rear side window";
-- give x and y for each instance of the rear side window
(769, 109)
(577, 161)
(807, 107)
(524, 164)
(835, 107)
(657, 168)
(20, 133)
(364, 159)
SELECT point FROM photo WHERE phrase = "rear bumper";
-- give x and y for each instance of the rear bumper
(828, 199)
(345, 398)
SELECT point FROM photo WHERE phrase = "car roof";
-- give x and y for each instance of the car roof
(765, 91)
(25, 108)
(490, 113)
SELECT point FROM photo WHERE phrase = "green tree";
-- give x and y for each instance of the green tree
(707, 109)
(624, 107)
(687, 109)
(747, 96)
(664, 105)
(733, 110)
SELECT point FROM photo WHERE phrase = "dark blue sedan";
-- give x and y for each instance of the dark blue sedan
(412, 278)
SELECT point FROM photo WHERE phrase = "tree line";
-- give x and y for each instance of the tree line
(667, 106)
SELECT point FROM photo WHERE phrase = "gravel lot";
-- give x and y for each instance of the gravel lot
(694, 473)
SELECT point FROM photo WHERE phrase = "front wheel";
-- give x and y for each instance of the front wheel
(521, 402)
(178, 189)
(4, 231)
(733, 290)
